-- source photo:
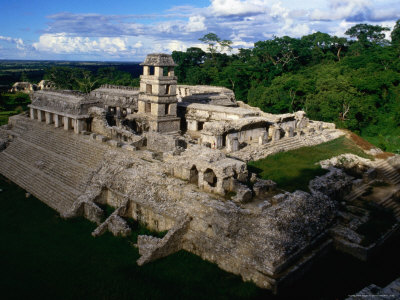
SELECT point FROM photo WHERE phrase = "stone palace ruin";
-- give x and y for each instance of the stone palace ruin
(174, 157)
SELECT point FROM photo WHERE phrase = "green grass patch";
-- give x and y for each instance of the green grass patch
(4, 115)
(292, 170)
(43, 256)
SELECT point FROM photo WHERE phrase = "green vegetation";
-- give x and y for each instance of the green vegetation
(85, 80)
(352, 82)
(12, 104)
(292, 170)
(12, 71)
(52, 258)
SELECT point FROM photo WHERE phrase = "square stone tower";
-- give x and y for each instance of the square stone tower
(157, 97)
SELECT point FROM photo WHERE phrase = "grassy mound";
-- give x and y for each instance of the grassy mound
(292, 170)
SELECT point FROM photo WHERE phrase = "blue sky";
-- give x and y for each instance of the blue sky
(123, 30)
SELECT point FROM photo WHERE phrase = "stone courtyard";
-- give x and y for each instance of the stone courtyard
(174, 157)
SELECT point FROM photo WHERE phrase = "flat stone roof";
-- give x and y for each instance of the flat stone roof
(107, 90)
(64, 95)
(159, 60)
(242, 112)
(63, 101)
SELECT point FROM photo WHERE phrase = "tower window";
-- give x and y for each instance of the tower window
(148, 107)
(167, 89)
(166, 109)
(151, 70)
(148, 89)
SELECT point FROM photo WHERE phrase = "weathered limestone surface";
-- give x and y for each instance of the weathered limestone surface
(117, 96)
(152, 248)
(63, 102)
(391, 291)
(335, 184)
(25, 87)
(214, 95)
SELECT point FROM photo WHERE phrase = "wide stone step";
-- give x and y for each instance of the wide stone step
(54, 193)
(57, 167)
(66, 143)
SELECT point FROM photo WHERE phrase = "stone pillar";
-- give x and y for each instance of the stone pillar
(235, 144)
(158, 71)
(40, 115)
(57, 121)
(192, 125)
(67, 123)
(171, 71)
(79, 126)
(48, 116)
(265, 137)
(232, 144)
(276, 136)
(219, 141)
(290, 132)
(146, 70)
(32, 113)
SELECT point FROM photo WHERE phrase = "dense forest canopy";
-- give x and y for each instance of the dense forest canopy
(353, 81)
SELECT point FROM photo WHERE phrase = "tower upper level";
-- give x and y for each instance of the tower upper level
(158, 65)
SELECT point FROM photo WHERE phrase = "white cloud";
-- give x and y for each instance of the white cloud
(238, 7)
(196, 23)
(243, 21)
(17, 41)
(342, 9)
(62, 43)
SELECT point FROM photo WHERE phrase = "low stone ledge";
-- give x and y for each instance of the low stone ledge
(152, 248)
(115, 224)
(114, 143)
(129, 147)
(101, 138)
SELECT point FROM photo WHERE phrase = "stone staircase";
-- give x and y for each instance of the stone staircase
(65, 143)
(387, 171)
(52, 164)
(356, 192)
(391, 175)
(56, 166)
(54, 193)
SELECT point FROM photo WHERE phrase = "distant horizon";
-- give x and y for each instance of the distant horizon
(66, 60)
(128, 30)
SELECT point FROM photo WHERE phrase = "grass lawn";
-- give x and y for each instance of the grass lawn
(292, 170)
(4, 115)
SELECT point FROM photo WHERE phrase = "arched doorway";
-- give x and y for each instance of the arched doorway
(210, 177)
(194, 175)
